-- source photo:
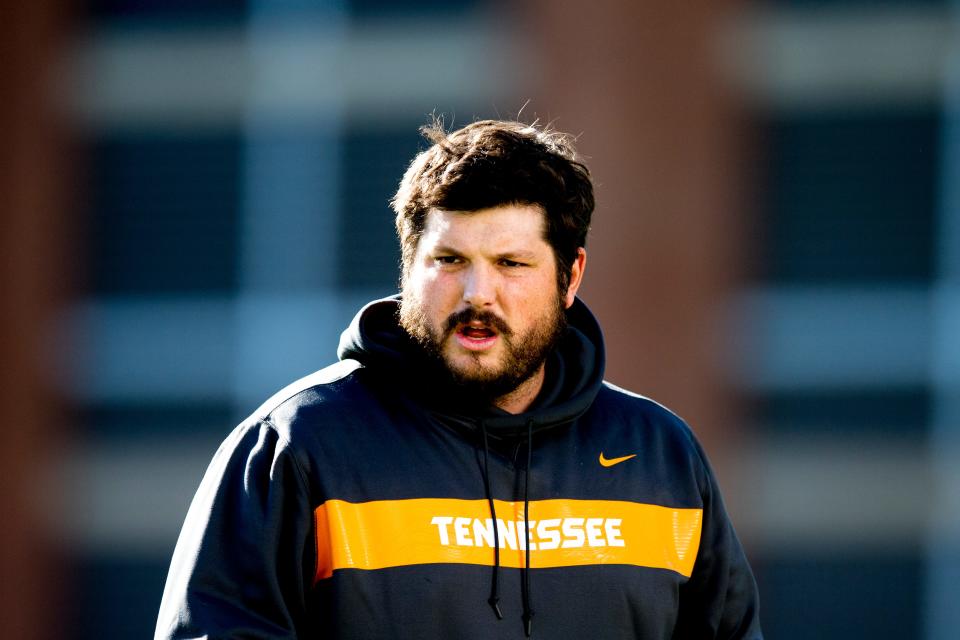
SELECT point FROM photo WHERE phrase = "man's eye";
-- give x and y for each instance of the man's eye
(447, 259)
(511, 263)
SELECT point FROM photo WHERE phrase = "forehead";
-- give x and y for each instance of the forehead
(507, 226)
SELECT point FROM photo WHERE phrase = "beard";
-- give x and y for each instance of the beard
(522, 354)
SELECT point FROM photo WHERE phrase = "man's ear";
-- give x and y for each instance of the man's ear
(576, 277)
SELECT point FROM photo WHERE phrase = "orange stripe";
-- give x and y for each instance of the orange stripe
(394, 533)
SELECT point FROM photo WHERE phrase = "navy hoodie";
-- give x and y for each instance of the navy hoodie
(375, 499)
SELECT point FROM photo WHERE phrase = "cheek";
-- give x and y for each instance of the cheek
(441, 286)
(531, 295)
(418, 281)
(435, 291)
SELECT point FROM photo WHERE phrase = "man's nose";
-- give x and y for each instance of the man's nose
(479, 287)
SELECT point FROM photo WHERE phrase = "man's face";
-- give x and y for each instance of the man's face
(481, 294)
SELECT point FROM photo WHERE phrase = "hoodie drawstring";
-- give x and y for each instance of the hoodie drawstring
(525, 586)
(494, 599)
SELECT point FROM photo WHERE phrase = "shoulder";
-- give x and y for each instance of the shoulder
(328, 396)
(649, 421)
(325, 382)
(635, 406)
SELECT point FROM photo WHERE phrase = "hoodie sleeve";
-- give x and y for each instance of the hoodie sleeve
(243, 563)
(720, 600)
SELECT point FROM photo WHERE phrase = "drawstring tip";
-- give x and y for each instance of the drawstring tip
(495, 604)
(528, 623)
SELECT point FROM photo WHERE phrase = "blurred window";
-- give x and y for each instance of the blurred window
(852, 197)
(145, 419)
(186, 10)
(164, 213)
(373, 162)
(842, 596)
(879, 412)
(855, 4)
(381, 8)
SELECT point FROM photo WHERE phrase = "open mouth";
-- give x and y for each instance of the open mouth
(475, 330)
(477, 333)
(476, 337)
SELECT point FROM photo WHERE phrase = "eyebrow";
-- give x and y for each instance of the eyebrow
(442, 248)
(513, 254)
(518, 255)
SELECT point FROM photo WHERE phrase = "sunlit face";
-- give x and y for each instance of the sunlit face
(481, 294)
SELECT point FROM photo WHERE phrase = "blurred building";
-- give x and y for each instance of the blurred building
(776, 255)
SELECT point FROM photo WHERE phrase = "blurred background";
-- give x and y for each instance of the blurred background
(194, 204)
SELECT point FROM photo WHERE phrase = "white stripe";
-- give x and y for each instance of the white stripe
(210, 77)
(830, 57)
(816, 338)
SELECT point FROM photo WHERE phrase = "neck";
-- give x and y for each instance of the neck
(520, 399)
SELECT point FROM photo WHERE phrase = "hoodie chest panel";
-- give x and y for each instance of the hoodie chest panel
(610, 457)
(384, 451)
(424, 503)
(450, 601)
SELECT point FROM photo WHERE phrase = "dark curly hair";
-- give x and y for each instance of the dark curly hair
(491, 163)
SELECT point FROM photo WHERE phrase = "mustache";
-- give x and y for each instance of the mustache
(470, 314)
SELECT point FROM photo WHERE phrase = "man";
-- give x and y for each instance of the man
(464, 471)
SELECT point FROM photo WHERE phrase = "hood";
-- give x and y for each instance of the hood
(574, 371)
